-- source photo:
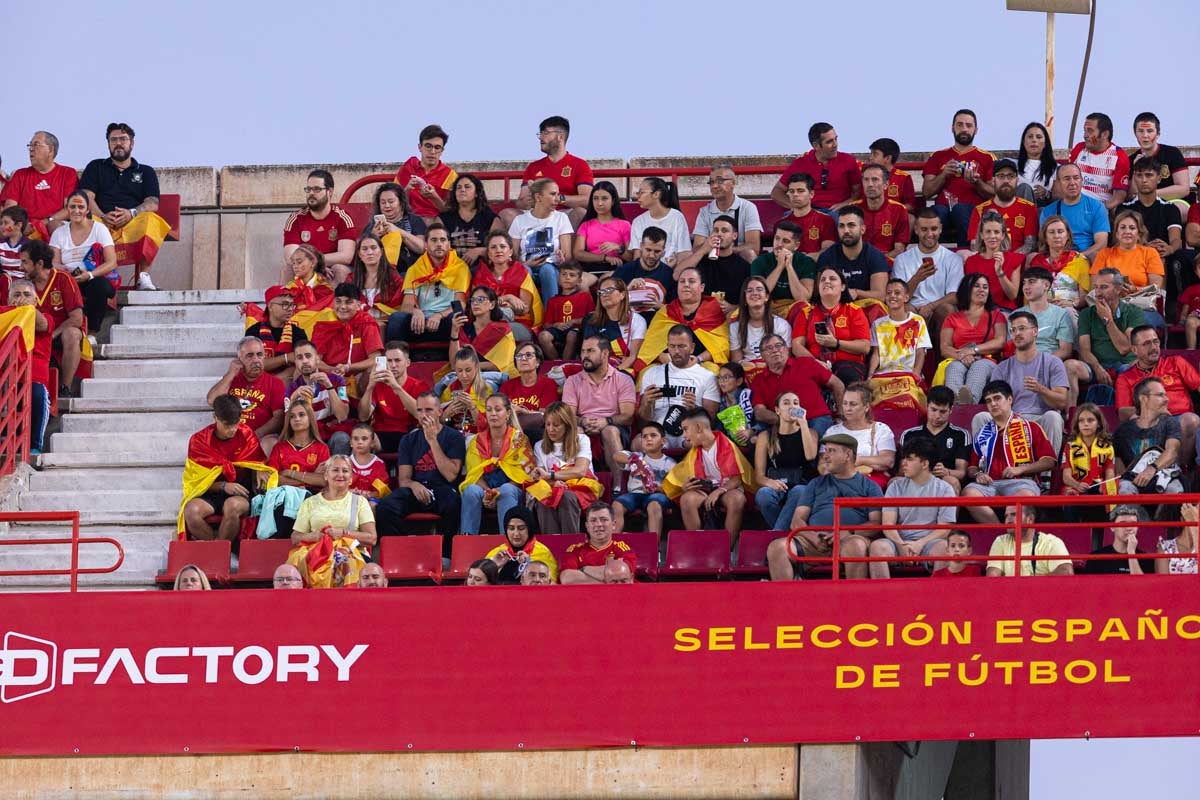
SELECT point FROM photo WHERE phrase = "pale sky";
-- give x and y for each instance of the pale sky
(220, 83)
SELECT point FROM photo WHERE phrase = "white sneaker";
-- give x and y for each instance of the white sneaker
(144, 283)
(92, 341)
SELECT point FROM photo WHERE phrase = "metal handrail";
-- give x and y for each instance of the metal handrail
(15, 401)
(74, 571)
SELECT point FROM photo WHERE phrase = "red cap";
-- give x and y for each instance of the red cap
(274, 292)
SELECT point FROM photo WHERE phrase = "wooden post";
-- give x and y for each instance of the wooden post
(1050, 74)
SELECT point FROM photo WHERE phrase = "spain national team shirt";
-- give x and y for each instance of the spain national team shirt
(389, 414)
(833, 182)
(886, 226)
(530, 398)
(901, 189)
(569, 172)
(898, 342)
(60, 297)
(371, 477)
(259, 399)
(41, 194)
(1104, 172)
(957, 189)
(569, 308)
(1020, 218)
(584, 554)
(1178, 377)
(815, 227)
(324, 234)
(286, 455)
(441, 178)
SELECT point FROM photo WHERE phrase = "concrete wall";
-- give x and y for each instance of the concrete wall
(231, 231)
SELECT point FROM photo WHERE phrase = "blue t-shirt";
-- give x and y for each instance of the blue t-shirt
(819, 494)
(1086, 218)
(414, 451)
(856, 272)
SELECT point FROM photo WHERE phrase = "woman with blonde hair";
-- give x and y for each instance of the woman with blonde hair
(1141, 264)
(876, 442)
(191, 579)
(564, 461)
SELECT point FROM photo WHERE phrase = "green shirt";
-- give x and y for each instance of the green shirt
(1127, 317)
(765, 264)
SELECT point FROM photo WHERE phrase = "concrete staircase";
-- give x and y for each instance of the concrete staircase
(119, 454)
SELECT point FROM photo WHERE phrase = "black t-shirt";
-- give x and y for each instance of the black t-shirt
(663, 273)
(1115, 566)
(1130, 441)
(117, 188)
(414, 452)
(466, 235)
(1170, 160)
(1158, 217)
(856, 272)
(411, 223)
(724, 274)
(951, 444)
(791, 456)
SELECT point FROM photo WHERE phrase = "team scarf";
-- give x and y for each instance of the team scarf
(1088, 463)
(206, 462)
(495, 343)
(708, 324)
(453, 273)
(1016, 439)
(515, 280)
(510, 455)
(730, 462)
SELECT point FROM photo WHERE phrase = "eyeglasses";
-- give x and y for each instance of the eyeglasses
(116, 139)
(771, 348)
(283, 302)
(606, 291)
(719, 181)
(525, 356)
(480, 299)
(36, 145)
(314, 189)
(433, 148)
(288, 579)
(1022, 329)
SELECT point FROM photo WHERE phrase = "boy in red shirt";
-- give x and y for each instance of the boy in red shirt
(427, 180)
(564, 315)
(958, 543)
(370, 473)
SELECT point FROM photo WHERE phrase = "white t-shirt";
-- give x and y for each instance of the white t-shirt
(745, 212)
(539, 237)
(554, 459)
(696, 379)
(1029, 176)
(673, 224)
(945, 280)
(754, 337)
(636, 329)
(73, 254)
(884, 438)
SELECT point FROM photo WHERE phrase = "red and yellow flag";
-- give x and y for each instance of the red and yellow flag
(730, 461)
(708, 323)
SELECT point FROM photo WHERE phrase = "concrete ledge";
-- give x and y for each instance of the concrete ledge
(758, 772)
(196, 186)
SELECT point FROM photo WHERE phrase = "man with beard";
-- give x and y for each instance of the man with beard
(886, 220)
(259, 393)
(1020, 215)
(604, 399)
(864, 268)
(1179, 379)
(933, 272)
(124, 195)
(678, 382)
(959, 177)
(649, 267)
(322, 224)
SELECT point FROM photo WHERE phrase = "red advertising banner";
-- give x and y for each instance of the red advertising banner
(510, 668)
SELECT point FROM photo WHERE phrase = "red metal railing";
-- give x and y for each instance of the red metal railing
(14, 403)
(74, 540)
(836, 559)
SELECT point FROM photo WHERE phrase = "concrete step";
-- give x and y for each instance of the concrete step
(180, 315)
(185, 421)
(193, 296)
(121, 388)
(218, 336)
(164, 501)
(119, 458)
(145, 555)
(86, 480)
(179, 350)
(161, 368)
(136, 404)
(168, 443)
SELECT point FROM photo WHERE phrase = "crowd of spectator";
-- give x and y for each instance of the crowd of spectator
(707, 374)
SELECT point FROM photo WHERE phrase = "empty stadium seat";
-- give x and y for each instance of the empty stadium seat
(211, 557)
(467, 549)
(411, 558)
(961, 415)
(258, 558)
(898, 419)
(644, 545)
(557, 543)
(696, 554)
(752, 553)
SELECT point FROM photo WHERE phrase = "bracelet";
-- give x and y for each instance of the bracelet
(285, 358)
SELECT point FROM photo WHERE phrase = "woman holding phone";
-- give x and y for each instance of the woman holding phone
(402, 233)
(837, 331)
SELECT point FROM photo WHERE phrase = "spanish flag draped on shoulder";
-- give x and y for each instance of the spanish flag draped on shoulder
(510, 455)
(453, 273)
(515, 280)
(209, 458)
(730, 461)
(495, 343)
(314, 302)
(18, 318)
(708, 323)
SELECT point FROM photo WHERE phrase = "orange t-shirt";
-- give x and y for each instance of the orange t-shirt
(1137, 265)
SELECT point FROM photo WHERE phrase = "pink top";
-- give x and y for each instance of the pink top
(596, 233)
(604, 400)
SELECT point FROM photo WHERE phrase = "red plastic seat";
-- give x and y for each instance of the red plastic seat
(557, 543)
(645, 546)
(702, 554)
(258, 558)
(465, 550)
(898, 419)
(212, 557)
(961, 415)
(752, 553)
(425, 370)
(604, 477)
(411, 558)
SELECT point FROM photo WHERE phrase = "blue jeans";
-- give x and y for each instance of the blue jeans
(778, 507)
(472, 505)
(820, 424)
(39, 416)
(960, 216)
(546, 277)
(399, 327)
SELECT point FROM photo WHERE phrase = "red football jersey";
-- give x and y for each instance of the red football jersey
(41, 195)
(886, 227)
(324, 234)
(815, 227)
(60, 297)
(530, 398)
(901, 189)
(390, 415)
(569, 172)
(1020, 217)
(583, 554)
(569, 308)
(1013, 262)
(960, 190)
(286, 455)
(370, 478)
(260, 400)
(832, 183)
